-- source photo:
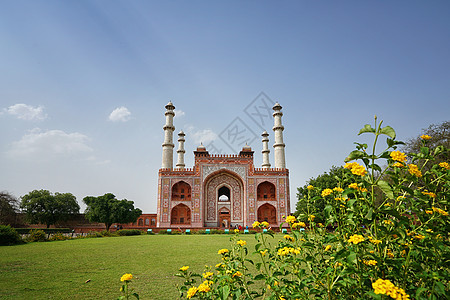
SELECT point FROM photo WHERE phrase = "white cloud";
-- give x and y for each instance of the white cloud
(43, 145)
(120, 114)
(27, 112)
(200, 136)
(179, 113)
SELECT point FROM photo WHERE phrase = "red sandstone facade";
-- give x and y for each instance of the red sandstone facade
(221, 190)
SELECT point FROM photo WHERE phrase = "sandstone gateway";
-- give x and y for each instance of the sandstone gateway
(222, 190)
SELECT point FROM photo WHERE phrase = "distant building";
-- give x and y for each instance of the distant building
(222, 190)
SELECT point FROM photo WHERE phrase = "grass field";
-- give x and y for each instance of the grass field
(59, 270)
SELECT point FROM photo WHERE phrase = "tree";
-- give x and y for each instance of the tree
(321, 182)
(41, 206)
(108, 210)
(8, 208)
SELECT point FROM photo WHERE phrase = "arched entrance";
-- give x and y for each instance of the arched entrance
(223, 199)
(266, 191)
(267, 213)
(180, 214)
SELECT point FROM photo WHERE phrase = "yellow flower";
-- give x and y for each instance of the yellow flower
(207, 274)
(126, 277)
(398, 165)
(359, 170)
(264, 224)
(320, 224)
(311, 218)
(356, 239)
(327, 247)
(238, 274)
(414, 170)
(338, 189)
(327, 192)
(222, 251)
(310, 187)
(241, 243)
(438, 210)
(191, 292)
(388, 222)
(430, 212)
(431, 194)
(425, 137)
(353, 186)
(220, 265)
(204, 287)
(290, 219)
(184, 268)
(256, 224)
(337, 264)
(389, 253)
(374, 241)
(298, 224)
(350, 165)
(236, 231)
(444, 165)
(420, 237)
(388, 288)
(289, 238)
(263, 253)
(398, 156)
(370, 262)
(364, 190)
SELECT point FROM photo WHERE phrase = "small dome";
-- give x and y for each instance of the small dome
(201, 147)
(246, 148)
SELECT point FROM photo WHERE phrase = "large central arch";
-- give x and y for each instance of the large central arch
(214, 186)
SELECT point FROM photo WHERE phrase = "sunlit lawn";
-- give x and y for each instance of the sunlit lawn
(91, 268)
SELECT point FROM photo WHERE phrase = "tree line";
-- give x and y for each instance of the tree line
(44, 207)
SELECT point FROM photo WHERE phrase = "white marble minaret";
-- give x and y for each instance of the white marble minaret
(280, 160)
(265, 151)
(167, 156)
(181, 151)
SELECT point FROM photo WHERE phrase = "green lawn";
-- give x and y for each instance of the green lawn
(59, 270)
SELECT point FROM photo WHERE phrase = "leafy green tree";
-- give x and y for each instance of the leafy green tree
(8, 208)
(325, 180)
(41, 206)
(108, 210)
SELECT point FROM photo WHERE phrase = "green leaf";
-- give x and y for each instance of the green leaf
(355, 154)
(259, 277)
(351, 258)
(425, 150)
(135, 295)
(367, 128)
(369, 214)
(439, 149)
(389, 131)
(386, 188)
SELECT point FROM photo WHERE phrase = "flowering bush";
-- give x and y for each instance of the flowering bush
(127, 292)
(385, 234)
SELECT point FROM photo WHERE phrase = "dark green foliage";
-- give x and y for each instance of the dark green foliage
(59, 237)
(46, 230)
(42, 207)
(37, 235)
(321, 182)
(108, 210)
(9, 236)
(128, 232)
(8, 208)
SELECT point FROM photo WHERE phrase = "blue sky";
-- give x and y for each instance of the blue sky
(84, 84)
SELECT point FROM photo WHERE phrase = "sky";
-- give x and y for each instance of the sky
(83, 85)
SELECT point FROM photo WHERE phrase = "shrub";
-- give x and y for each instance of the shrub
(128, 232)
(107, 233)
(390, 238)
(37, 235)
(9, 236)
(59, 237)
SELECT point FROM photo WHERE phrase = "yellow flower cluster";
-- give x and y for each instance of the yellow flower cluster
(370, 262)
(238, 274)
(420, 237)
(338, 189)
(431, 194)
(241, 243)
(290, 219)
(263, 253)
(310, 187)
(220, 265)
(356, 187)
(126, 277)
(356, 168)
(298, 224)
(398, 156)
(204, 287)
(191, 292)
(184, 268)
(223, 251)
(236, 231)
(207, 274)
(265, 224)
(256, 224)
(386, 287)
(356, 239)
(311, 218)
(289, 238)
(374, 241)
(444, 165)
(388, 222)
(414, 170)
(288, 250)
(327, 192)
(438, 210)
(327, 247)
(425, 137)
(430, 212)
(398, 165)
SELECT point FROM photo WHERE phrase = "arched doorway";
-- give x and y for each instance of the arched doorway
(180, 214)
(267, 213)
(223, 190)
(224, 217)
(181, 191)
(266, 191)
